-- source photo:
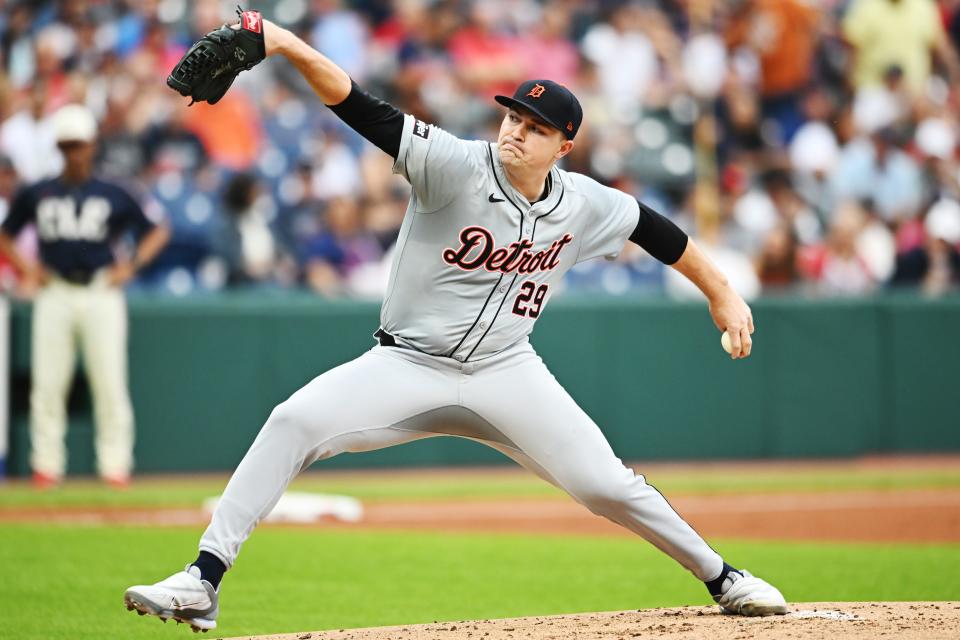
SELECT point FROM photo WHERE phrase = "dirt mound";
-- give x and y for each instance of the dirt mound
(814, 621)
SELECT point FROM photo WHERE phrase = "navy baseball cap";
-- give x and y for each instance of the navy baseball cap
(551, 101)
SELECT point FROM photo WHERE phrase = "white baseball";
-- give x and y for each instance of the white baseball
(725, 342)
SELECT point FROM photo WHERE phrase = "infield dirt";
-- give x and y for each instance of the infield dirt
(808, 621)
(925, 515)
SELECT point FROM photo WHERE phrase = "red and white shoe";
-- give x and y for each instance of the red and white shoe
(45, 481)
(119, 482)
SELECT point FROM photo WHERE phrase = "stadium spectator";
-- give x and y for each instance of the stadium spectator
(230, 131)
(875, 167)
(835, 266)
(935, 141)
(244, 239)
(782, 34)
(813, 155)
(337, 169)
(8, 184)
(935, 266)
(876, 244)
(343, 37)
(777, 261)
(485, 55)
(169, 145)
(804, 122)
(901, 33)
(341, 247)
(26, 137)
(549, 51)
(17, 45)
(772, 203)
(626, 60)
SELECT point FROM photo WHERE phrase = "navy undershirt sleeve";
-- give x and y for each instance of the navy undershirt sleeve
(659, 236)
(379, 122)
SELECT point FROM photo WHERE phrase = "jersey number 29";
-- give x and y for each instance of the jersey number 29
(530, 299)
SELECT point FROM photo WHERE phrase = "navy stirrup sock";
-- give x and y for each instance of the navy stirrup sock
(211, 568)
(715, 587)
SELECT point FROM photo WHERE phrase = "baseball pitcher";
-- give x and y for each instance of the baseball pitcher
(488, 234)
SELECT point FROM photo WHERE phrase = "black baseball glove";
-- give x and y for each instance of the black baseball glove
(208, 69)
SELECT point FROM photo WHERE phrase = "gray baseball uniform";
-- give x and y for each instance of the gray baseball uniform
(474, 268)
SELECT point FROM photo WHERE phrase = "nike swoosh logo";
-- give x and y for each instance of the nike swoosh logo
(184, 605)
(492, 199)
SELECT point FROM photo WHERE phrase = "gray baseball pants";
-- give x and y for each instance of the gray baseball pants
(509, 401)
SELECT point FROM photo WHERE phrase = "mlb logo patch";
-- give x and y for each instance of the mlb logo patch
(421, 128)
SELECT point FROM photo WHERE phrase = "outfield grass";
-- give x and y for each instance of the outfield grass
(69, 582)
(190, 491)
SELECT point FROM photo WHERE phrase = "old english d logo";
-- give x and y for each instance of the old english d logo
(537, 91)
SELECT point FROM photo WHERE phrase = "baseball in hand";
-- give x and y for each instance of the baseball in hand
(725, 342)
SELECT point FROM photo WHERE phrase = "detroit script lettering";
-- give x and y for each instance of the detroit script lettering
(477, 249)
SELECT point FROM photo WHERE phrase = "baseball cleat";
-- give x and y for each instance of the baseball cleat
(120, 482)
(183, 597)
(746, 595)
(45, 481)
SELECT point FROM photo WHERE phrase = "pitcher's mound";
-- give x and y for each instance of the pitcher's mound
(813, 621)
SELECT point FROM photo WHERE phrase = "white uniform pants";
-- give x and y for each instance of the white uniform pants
(94, 318)
(387, 397)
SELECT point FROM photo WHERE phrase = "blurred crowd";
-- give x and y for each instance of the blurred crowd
(808, 145)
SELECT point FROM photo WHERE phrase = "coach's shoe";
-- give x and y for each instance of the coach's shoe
(45, 481)
(746, 595)
(183, 597)
(120, 482)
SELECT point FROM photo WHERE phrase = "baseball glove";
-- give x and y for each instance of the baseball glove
(208, 69)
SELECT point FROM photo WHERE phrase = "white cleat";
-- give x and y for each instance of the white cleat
(183, 597)
(746, 595)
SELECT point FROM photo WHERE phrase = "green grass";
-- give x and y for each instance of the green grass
(68, 582)
(190, 491)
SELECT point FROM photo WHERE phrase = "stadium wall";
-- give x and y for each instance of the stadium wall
(827, 378)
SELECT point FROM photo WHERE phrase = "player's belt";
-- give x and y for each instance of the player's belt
(384, 338)
(77, 276)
